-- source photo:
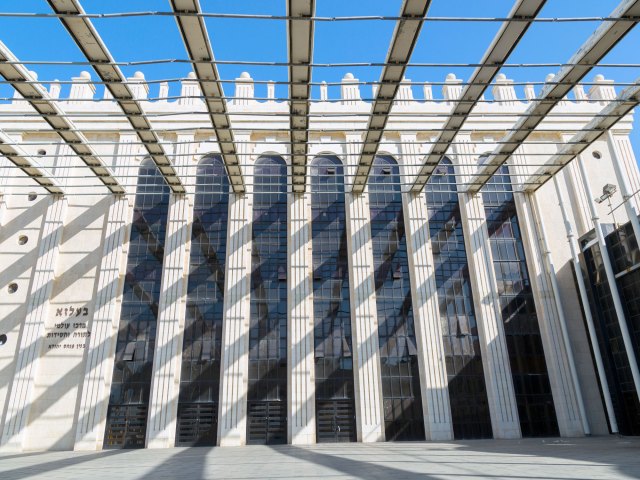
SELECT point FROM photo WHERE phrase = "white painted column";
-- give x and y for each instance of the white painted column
(94, 397)
(564, 388)
(426, 313)
(493, 346)
(234, 374)
(364, 318)
(20, 396)
(300, 348)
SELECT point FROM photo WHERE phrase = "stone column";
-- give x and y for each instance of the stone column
(165, 380)
(364, 318)
(163, 402)
(493, 346)
(232, 424)
(94, 397)
(300, 348)
(20, 395)
(563, 387)
(426, 313)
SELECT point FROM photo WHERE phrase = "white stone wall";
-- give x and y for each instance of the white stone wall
(55, 397)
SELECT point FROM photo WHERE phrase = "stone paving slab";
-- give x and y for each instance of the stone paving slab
(586, 458)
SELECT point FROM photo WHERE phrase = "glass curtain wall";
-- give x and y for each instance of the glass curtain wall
(524, 342)
(129, 399)
(625, 258)
(402, 401)
(335, 407)
(465, 374)
(202, 344)
(267, 395)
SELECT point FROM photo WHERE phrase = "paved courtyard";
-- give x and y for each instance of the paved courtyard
(589, 458)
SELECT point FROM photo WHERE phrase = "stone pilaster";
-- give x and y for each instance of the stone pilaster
(563, 387)
(493, 346)
(364, 318)
(94, 397)
(426, 314)
(20, 395)
(163, 403)
(232, 424)
(300, 349)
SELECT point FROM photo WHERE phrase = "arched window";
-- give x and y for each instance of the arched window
(267, 395)
(467, 391)
(398, 354)
(335, 408)
(524, 342)
(129, 399)
(202, 344)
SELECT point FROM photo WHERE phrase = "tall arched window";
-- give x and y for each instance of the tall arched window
(202, 344)
(335, 408)
(129, 400)
(524, 342)
(403, 415)
(267, 396)
(467, 390)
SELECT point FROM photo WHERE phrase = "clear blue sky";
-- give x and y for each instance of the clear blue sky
(144, 38)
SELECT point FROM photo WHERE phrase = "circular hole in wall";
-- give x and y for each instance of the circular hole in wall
(12, 288)
(3, 339)
(597, 155)
(22, 239)
(32, 196)
(42, 152)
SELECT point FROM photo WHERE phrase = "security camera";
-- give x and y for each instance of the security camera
(3, 339)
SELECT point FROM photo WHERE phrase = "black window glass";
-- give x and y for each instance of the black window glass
(335, 408)
(524, 342)
(267, 395)
(402, 400)
(135, 344)
(202, 343)
(467, 390)
(623, 251)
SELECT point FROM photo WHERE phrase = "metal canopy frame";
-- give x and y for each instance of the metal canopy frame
(37, 96)
(608, 34)
(28, 165)
(196, 39)
(494, 58)
(601, 123)
(300, 17)
(403, 41)
(300, 52)
(87, 39)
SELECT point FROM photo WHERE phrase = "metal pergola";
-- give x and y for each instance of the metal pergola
(300, 20)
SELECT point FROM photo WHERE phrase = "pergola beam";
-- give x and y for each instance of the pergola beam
(88, 40)
(37, 96)
(300, 51)
(608, 34)
(601, 123)
(196, 39)
(403, 41)
(28, 165)
(505, 41)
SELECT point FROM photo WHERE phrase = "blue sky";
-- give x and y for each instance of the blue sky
(145, 38)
